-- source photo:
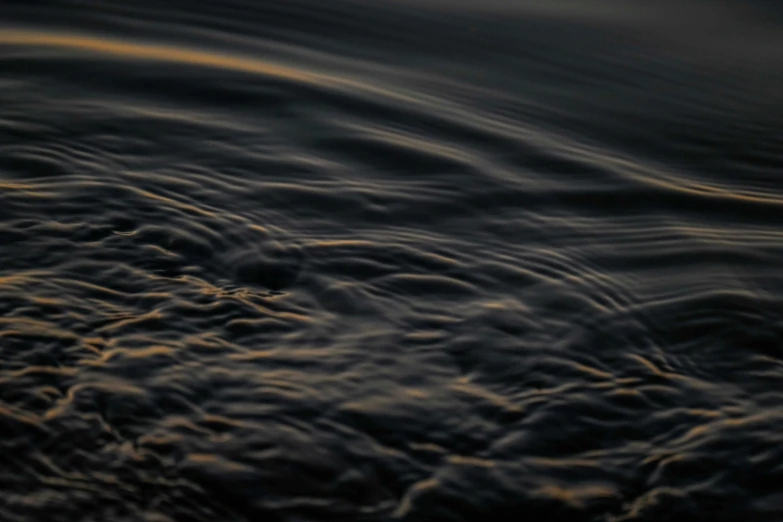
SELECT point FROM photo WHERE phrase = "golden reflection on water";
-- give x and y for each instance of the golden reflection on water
(165, 53)
(577, 496)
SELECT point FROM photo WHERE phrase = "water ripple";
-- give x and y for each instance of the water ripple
(457, 261)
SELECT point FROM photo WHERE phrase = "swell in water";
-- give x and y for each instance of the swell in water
(416, 261)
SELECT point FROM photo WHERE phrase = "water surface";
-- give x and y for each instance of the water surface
(416, 261)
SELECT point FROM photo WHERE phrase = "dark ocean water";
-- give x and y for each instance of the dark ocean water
(418, 261)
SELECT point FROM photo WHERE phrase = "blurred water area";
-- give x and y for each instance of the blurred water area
(391, 261)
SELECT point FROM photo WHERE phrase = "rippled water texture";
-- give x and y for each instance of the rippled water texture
(398, 260)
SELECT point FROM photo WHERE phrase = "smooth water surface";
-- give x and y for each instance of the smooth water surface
(398, 260)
